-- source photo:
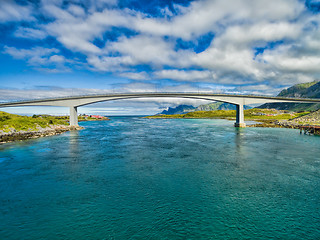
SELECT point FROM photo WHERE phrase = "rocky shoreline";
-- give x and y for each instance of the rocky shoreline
(310, 120)
(311, 129)
(14, 135)
(275, 125)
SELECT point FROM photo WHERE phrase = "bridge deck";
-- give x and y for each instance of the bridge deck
(76, 101)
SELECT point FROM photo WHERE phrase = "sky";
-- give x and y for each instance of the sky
(54, 48)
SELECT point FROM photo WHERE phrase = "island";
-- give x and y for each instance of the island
(308, 120)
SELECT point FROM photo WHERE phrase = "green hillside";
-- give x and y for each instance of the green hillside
(303, 90)
(8, 122)
(310, 89)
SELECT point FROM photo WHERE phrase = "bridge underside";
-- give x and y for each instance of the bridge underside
(239, 100)
(239, 116)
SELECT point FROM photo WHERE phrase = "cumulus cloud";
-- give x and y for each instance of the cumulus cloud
(146, 50)
(254, 43)
(206, 16)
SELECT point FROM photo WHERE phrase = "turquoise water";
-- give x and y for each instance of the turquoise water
(134, 178)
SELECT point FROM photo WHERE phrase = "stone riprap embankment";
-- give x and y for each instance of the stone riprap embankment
(51, 130)
(311, 119)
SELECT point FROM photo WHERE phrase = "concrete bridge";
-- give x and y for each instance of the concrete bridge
(77, 101)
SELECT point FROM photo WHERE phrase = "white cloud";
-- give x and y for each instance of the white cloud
(259, 89)
(245, 25)
(43, 59)
(183, 75)
(230, 61)
(135, 75)
(30, 33)
(284, 29)
(205, 16)
(11, 11)
(36, 55)
(144, 50)
(76, 10)
(152, 51)
(76, 33)
(57, 59)
(109, 64)
(253, 35)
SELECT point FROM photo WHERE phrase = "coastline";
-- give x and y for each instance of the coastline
(12, 136)
(309, 122)
(15, 127)
(306, 121)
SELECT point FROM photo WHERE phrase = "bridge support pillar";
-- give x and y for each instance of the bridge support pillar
(240, 117)
(73, 116)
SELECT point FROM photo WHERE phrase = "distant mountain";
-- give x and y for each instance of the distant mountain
(181, 109)
(218, 106)
(303, 90)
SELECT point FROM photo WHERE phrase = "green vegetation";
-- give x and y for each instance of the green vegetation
(302, 90)
(9, 122)
(250, 114)
(298, 89)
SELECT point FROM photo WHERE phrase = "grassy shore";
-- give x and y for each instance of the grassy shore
(270, 118)
(16, 127)
(10, 122)
(254, 114)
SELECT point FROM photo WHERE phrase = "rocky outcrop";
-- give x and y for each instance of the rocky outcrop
(311, 119)
(14, 135)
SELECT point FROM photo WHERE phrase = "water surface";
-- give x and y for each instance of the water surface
(134, 178)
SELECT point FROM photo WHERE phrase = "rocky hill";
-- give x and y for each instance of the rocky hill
(182, 109)
(217, 106)
(312, 118)
(303, 90)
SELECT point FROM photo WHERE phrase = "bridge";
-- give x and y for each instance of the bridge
(77, 101)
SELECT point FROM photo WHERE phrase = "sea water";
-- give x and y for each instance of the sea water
(136, 178)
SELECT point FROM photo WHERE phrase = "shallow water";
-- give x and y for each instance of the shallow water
(134, 178)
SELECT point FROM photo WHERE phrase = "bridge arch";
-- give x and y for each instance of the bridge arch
(239, 106)
(76, 101)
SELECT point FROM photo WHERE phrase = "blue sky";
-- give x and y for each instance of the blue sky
(58, 48)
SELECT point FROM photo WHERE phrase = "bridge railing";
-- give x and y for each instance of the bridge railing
(142, 93)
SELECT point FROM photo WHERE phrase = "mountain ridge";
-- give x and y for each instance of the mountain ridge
(302, 90)
(181, 109)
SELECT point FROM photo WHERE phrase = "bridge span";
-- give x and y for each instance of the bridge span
(77, 101)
